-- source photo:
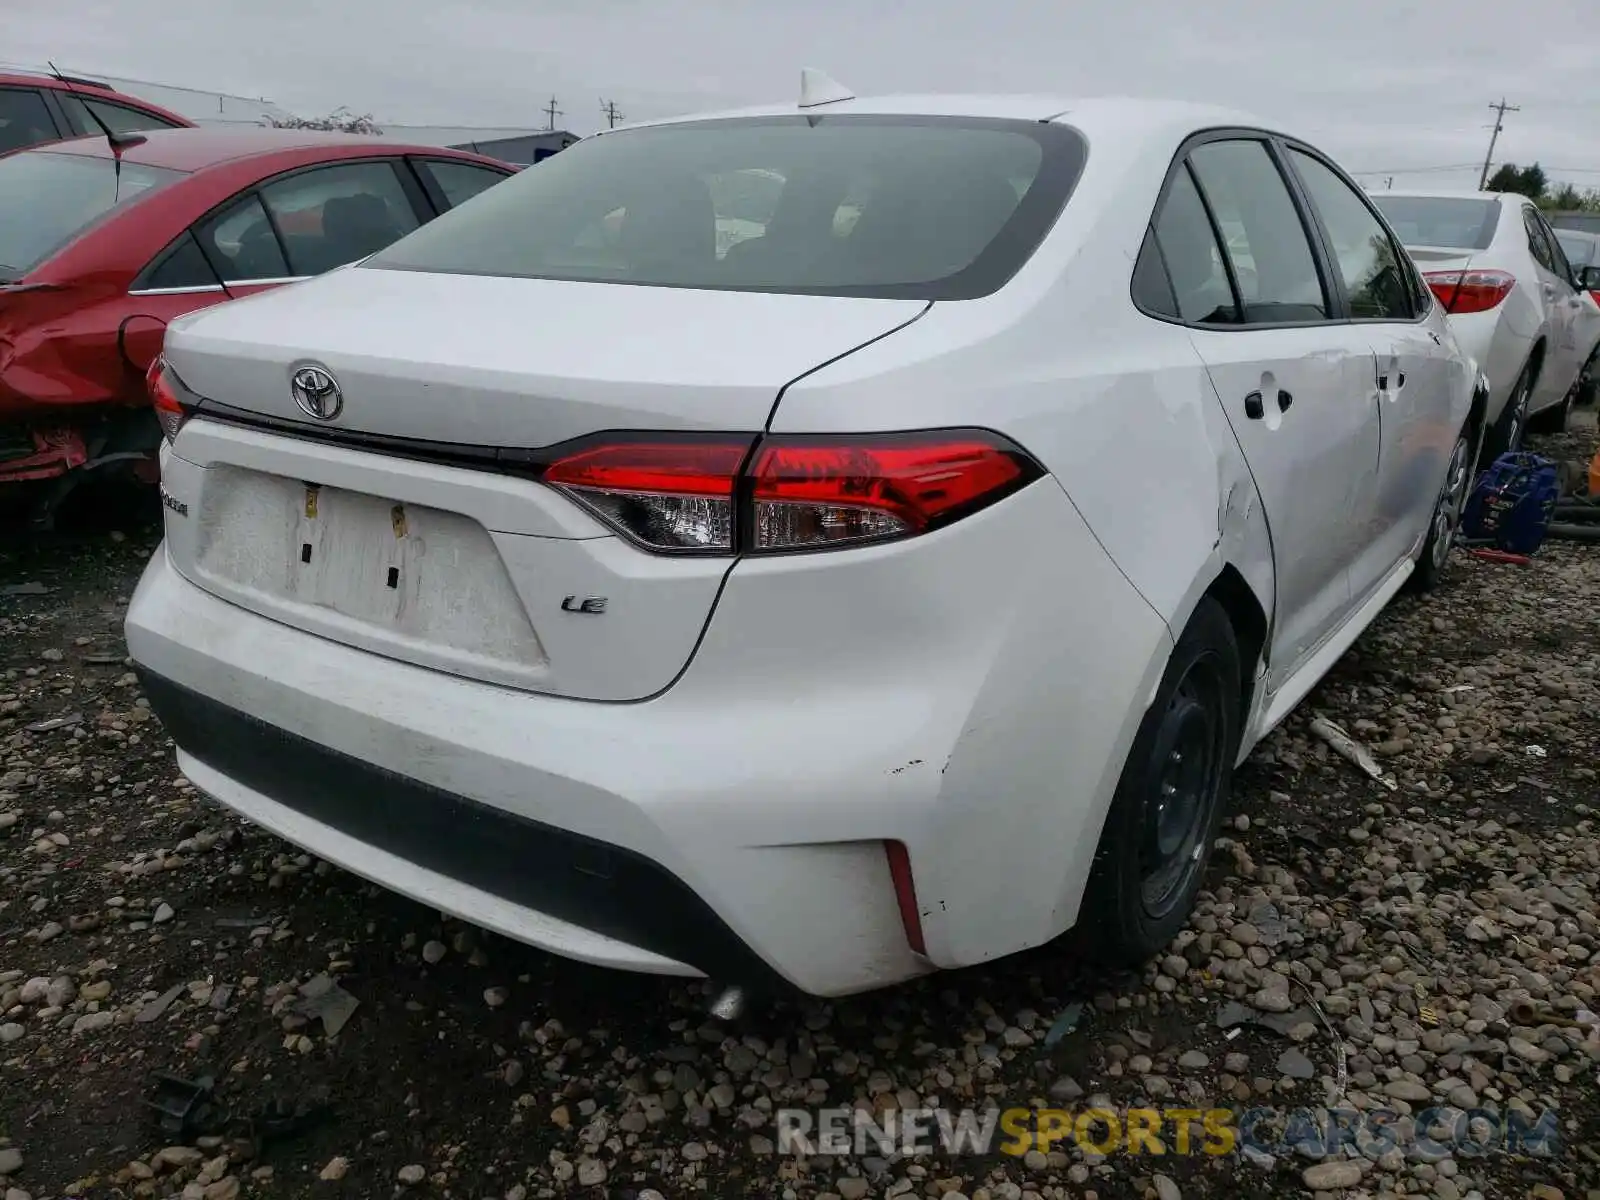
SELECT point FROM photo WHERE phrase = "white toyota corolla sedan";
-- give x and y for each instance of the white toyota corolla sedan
(815, 545)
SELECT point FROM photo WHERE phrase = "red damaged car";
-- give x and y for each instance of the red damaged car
(103, 240)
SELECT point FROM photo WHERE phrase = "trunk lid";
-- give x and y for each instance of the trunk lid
(1441, 258)
(520, 362)
(469, 571)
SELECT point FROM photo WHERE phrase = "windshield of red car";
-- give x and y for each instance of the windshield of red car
(47, 199)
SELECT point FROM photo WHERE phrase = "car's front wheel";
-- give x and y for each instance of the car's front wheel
(1170, 799)
(1446, 518)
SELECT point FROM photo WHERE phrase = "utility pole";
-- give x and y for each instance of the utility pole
(612, 112)
(1500, 111)
(552, 112)
(1388, 184)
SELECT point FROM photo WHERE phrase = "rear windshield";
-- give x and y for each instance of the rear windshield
(1578, 248)
(1450, 222)
(918, 208)
(46, 199)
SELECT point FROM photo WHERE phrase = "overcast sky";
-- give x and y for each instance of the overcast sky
(1384, 86)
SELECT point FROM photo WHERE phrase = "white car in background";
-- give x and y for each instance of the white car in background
(825, 607)
(1583, 252)
(1514, 300)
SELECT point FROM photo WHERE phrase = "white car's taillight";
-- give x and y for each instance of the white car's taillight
(1463, 292)
(163, 387)
(784, 493)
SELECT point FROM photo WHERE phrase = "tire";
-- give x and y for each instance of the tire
(1434, 557)
(1170, 800)
(1507, 432)
(1554, 418)
(1587, 390)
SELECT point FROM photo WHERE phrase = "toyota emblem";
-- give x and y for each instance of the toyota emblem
(316, 393)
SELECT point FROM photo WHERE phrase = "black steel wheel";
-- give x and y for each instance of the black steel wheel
(1170, 799)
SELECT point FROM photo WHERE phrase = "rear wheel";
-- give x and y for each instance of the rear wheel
(1506, 434)
(1446, 519)
(1171, 797)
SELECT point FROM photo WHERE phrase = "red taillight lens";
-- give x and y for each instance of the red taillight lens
(164, 398)
(1470, 291)
(713, 495)
(665, 494)
(815, 493)
(1596, 294)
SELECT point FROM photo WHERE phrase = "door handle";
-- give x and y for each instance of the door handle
(1253, 406)
(1284, 401)
(1399, 381)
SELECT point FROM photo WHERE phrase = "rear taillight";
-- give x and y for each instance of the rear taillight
(1470, 291)
(721, 495)
(1596, 294)
(163, 389)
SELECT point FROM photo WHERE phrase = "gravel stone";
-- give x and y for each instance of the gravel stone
(1447, 930)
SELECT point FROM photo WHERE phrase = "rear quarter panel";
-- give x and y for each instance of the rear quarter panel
(1121, 411)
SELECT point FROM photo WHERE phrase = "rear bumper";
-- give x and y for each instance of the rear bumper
(1499, 350)
(603, 903)
(971, 695)
(29, 454)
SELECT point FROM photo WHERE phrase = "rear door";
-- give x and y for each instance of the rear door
(310, 221)
(1415, 366)
(1579, 313)
(1554, 291)
(1296, 383)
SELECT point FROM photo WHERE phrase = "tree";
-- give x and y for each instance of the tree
(1527, 181)
(1564, 198)
(340, 120)
(1569, 199)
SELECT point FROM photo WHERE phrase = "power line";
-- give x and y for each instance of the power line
(1500, 111)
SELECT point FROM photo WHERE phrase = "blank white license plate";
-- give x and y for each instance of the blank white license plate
(420, 574)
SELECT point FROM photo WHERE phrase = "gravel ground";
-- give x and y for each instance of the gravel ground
(142, 930)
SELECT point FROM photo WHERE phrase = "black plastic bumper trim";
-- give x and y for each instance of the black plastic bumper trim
(588, 883)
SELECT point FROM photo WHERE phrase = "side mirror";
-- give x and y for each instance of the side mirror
(1589, 278)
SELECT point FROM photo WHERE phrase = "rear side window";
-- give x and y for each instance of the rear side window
(47, 199)
(1371, 264)
(182, 267)
(458, 181)
(1537, 242)
(916, 208)
(1261, 232)
(1446, 222)
(1152, 290)
(241, 241)
(1194, 262)
(332, 216)
(119, 118)
(24, 119)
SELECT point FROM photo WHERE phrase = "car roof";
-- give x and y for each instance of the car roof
(1094, 115)
(191, 150)
(1447, 194)
(92, 88)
